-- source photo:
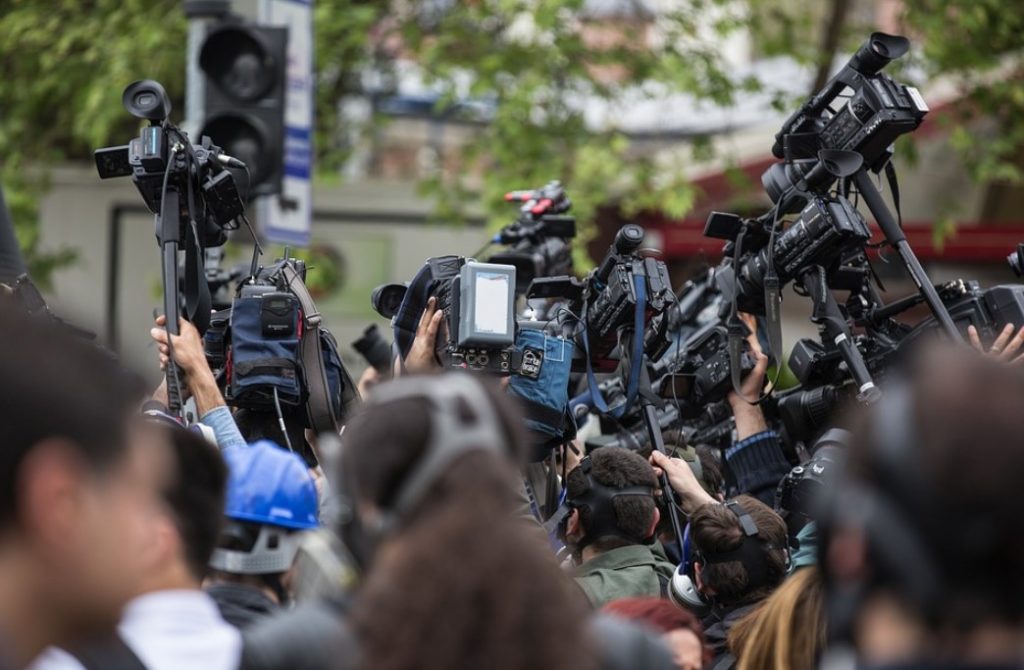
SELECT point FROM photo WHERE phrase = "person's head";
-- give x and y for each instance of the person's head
(78, 489)
(680, 629)
(451, 418)
(434, 519)
(740, 552)
(193, 503)
(271, 500)
(787, 630)
(611, 494)
(925, 535)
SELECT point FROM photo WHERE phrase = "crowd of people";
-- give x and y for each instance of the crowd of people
(129, 540)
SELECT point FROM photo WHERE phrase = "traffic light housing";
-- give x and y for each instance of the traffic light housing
(245, 79)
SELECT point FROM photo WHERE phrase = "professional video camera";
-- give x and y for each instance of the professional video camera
(876, 111)
(270, 351)
(624, 292)
(192, 195)
(538, 239)
(824, 248)
(162, 161)
(372, 346)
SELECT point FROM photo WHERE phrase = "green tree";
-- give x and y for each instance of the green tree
(65, 63)
(980, 45)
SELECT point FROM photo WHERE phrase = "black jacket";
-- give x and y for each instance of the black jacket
(242, 605)
(717, 626)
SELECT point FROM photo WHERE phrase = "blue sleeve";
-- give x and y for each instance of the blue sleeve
(758, 464)
(224, 427)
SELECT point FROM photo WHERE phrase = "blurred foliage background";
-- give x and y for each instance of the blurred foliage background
(65, 63)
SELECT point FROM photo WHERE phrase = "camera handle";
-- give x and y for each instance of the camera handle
(897, 238)
(828, 316)
(650, 413)
(168, 228)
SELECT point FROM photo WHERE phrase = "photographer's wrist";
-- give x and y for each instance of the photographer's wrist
(204, 389)
(749, 420)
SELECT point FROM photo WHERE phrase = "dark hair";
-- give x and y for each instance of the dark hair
(617, 468)
(463, 582)
(660, 615)
(957, 492)
(56, 385)
(715, 529)
(195, 496)
(713, 481)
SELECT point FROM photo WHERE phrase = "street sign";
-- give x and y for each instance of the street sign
(288, 218)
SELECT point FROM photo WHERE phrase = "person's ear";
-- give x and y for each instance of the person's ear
(51, 494)
(654, 522)
(698, 569)
(574, 527)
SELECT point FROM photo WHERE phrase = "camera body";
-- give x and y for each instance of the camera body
(162, 158)
(607, 300)
(827, 228)
(480, 324)
(702, 374)
(877, 111)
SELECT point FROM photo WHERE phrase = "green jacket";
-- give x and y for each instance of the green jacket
(626, 572)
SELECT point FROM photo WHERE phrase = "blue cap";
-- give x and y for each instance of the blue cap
(271, 486)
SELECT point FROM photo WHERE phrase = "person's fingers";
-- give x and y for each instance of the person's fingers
(161, 320)
(427, 316)
(1018, 361)
(1013, 346)
(435, 323)
(158, 334)
(164, 349)
(972, 335)
(658, 472)
(1003, 338)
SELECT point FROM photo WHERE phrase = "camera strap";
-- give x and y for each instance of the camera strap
(636, 359)
(319, 407)
(198, 303)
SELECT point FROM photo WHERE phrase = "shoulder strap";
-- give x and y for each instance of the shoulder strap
(322, 418)
(110, 654)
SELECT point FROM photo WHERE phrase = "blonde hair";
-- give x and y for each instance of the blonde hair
(787, 630)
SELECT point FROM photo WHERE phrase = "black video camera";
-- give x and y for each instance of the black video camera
(163, 158)
(877, 111)
(828, 228)
(372, 346)
(538, 240)
(624, 286)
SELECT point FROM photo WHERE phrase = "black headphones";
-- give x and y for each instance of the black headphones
(598, 500)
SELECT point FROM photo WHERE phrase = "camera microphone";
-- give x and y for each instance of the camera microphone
(230, 161)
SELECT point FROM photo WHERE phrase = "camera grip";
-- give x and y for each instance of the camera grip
(174, 381)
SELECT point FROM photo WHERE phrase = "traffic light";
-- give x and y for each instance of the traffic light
(245, 73)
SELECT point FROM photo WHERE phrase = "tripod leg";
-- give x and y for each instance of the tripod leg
(894, 234)
(828, 315)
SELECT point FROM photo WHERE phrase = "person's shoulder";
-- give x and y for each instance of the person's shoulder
(313, 635)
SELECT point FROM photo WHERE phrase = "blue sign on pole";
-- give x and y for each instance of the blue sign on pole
(288, 218)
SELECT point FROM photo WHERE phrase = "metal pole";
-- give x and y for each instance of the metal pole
(894, 234)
